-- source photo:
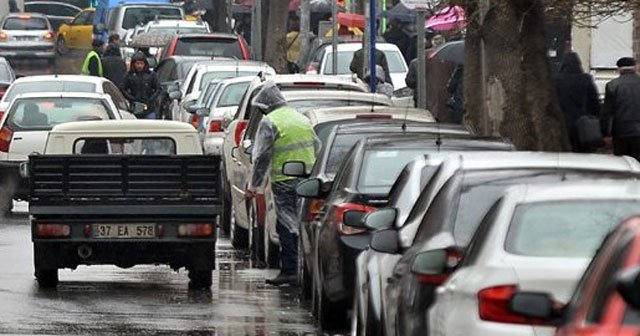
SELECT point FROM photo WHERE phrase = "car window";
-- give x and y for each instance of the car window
(182, 69)
(310, 104)
(213, 75)
(564, 229)
(394, 60)
(440, 210)
(44, 113)
(51, 9)
(25, 23)
(142, 15)
(164, 70)
(192, 83)
(6, 75)
(479, 237)
(116, 95)
(220, 47)
(179, 30)
(232, 94)
(85, 18)
(344, 171)
(342, 143)
(381, 167)
(48, 86)
(125, 146)
(252, 126)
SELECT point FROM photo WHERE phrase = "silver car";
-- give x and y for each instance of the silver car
(27, 35)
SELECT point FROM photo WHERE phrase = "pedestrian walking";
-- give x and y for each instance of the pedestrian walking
(92, 65)
(114, 67)
(577, 96)
(141, 86)
(13, 6)
(622, 109)
(283, 135)
(357, 63)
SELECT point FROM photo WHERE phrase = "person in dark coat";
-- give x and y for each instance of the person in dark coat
(114, 67)
(577, 96)
(357, 63)
(13, 6)
(396, 34)
(142, 86)
(622, 109)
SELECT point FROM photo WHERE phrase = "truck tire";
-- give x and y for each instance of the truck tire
(200, 279)
(47, 278)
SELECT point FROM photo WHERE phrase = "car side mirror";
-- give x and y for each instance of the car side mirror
(295, 169)
(532, 304)
(192, 108)
(381, 219)
(247, 146)
(175, 95)
(433, 262)
(385, 241)
(627, 285)
(354, 219)
(310, 188)
(202, 111)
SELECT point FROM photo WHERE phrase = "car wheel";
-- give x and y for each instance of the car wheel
(239, 236)
(200, 279)
(61, 46)
(47, 278)
(332, 316)
(225, 218)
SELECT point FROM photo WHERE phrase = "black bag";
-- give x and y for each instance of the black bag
(589, 131)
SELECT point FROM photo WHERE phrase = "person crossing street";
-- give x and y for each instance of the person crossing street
(283, 135)
(141, 86)
(92, 64)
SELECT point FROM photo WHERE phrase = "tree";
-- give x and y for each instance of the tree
(274, 41)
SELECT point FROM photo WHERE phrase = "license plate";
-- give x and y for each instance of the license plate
(25, 38)
(124, 230)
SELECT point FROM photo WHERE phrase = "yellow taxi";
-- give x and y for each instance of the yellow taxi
(76, 34)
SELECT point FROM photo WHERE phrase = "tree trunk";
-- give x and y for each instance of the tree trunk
(220, 16)
(520, 99)
(275, 53)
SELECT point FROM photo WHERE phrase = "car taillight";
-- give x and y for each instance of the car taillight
(49, 36)
(6, 134)
(215, 125)
(240, 127)
(3, 36)
(52, 230)
(453, 259)
(195, 230)
(195, 120)
(493, 305)
(339, 215)
(315, 205)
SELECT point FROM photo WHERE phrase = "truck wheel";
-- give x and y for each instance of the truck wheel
(47, 278)
(239, 236)
(200, 279)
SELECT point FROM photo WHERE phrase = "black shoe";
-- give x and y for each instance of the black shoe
(282, 279)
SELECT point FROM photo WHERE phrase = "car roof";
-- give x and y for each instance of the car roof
(208, 35)
(335, 95)
(350, 46)
(125, 126)
(225, 62)
(174, 23)
(32, 14)
(445, 141)
(522, 159)
(70, 78)
(364, 112)
(227, 81)
(364, 126)
(91, 95)
(576, 190)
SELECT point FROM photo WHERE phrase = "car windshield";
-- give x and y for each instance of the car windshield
(232, 94)
(213, 75)
(143, 15)
(25, 23)
(208, 47)
(394, 60)
(381, 167)
(570, 229)
(44, 113)
(179, 30)
(48, 86)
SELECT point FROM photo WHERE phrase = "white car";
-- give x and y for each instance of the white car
(398, 67)
(64, 83)
(127, 16)
(26, 125)
(203, 73)
(537, 238)
(171, 26)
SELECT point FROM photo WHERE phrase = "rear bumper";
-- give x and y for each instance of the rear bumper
(35, 50)
(213, 144)
(11, 182)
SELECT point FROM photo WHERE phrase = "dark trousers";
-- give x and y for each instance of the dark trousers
(288, 250)
(627, 146)
(287, 227)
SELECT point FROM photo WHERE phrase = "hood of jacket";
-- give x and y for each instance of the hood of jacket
(139, 56)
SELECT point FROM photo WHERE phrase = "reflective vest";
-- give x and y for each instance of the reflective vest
(85, 65)
(295, 141)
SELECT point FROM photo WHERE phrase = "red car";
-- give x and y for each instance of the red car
(606, 301)
(209, 45)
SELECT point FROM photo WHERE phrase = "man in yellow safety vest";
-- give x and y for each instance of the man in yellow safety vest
(92, 64)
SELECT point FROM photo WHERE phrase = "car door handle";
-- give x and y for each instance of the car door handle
(17, 138)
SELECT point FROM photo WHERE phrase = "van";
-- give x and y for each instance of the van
(118, 16)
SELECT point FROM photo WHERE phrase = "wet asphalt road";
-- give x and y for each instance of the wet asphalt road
(143, 300)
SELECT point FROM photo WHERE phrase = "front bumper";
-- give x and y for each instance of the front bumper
(11, 182)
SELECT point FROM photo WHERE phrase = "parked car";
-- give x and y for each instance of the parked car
(324, 65)
(57, 12)
(362, 184)
(116, 17)
(605, 301)
(535, 238)
(27, 35)
(209, 45)
(77, 33)
(447, 214)
(7, 76)
(171, 73)
(26, 125)
(64, 83)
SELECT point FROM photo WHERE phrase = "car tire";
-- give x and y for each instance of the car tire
(332, 316)
(47, 278)
(239, 236)
(61, 46)
(200, 279)
(225, 218)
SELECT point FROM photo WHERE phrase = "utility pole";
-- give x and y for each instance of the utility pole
(256, 30)
(372, 41)
(334, 37)
(484, 6)
(422, 60)
(305, 30)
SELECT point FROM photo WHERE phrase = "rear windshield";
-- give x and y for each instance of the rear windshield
(143, 15)
(48, 86)
(32, 23)
(210, 76)
(341, 146)
(570, 229)
(381, 168)
(394, 60)
(209, 47)
(180, 30)
(126, 146)
(44, 113)
(232, 94)
(306, 105)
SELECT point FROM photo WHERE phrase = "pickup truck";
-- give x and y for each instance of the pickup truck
(124, 193)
